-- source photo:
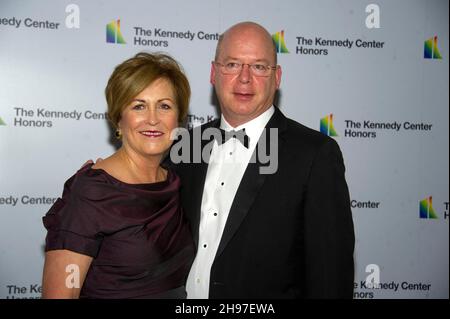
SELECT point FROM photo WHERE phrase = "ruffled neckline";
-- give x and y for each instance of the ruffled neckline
(93, 172)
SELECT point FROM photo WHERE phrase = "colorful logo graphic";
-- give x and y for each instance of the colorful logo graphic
(278, 39)
(431, 50)
(1, 122)
(326, 126)
(426, 209)
(113, 34)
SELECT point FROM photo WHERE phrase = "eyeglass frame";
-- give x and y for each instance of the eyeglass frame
(268, 67)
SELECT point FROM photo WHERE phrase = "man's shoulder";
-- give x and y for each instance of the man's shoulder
(306, 142)
(188, 143)
(299, 133)
(213, 123)
(183, 133)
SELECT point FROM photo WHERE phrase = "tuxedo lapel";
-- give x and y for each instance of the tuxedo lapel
(251, 183)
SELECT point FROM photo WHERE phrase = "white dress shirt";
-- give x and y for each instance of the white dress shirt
(226, 168)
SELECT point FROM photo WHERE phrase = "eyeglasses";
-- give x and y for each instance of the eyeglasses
(232, 68)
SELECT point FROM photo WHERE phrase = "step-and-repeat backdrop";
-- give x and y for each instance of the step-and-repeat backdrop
(371, 74)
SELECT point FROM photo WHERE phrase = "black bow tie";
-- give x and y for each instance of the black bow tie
(239, 135)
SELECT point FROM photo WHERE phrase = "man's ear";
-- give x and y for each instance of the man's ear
(212, 77)
(278, 74)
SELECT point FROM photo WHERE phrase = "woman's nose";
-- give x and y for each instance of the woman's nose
(152, 116)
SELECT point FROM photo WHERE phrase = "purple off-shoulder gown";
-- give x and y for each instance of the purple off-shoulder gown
(136, 233)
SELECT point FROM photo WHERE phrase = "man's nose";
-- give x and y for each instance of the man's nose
(244, 75)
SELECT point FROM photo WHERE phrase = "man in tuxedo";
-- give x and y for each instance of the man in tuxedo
(284, 234)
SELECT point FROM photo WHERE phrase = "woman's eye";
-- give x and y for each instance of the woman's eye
(138, 107)
(165, 106)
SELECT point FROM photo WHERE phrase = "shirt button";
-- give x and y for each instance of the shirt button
(215, 214)
(198, 280)
(222, 183)
(204, 246)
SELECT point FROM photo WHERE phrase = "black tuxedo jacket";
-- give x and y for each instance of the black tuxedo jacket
(288, 234)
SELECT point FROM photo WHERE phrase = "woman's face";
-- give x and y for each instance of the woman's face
(147, 122)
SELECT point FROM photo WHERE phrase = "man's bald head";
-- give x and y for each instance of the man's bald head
(252, 29)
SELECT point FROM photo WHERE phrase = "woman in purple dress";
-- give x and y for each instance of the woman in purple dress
(119, 231)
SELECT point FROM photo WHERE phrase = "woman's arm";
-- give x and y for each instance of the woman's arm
(64, 274)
